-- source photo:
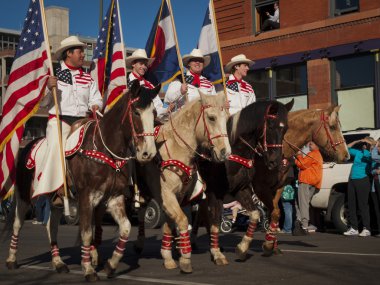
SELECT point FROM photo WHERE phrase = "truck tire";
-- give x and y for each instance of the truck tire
(339, 214)
(154, 215)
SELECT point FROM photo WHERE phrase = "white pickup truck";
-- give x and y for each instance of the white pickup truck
(332, 196)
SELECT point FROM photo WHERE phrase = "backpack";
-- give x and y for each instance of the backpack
(288, 193)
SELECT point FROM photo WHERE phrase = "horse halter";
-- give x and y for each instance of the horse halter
(324, 122)
(202, 114)
(128, 113)
(268, 116)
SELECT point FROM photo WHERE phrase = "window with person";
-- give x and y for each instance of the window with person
(344, 6)
(267, 16)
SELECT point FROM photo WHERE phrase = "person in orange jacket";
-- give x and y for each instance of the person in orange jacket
(309, 179)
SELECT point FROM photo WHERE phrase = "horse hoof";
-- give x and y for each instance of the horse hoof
(267, 250)
(110, 272)
(170, 264)
(221, 261)
(185, 265)
(277, 252)
(241, 255)
(92, 277)
(62, 268)
(11, 265)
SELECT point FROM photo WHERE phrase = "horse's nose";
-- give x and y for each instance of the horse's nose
(223, 153)
(146, 155)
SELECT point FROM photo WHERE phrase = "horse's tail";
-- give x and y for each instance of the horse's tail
(22, 187)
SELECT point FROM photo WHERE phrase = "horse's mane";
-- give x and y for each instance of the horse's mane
(251, 119)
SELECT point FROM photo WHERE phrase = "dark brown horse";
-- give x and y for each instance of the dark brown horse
(321, 126)
(99, 173)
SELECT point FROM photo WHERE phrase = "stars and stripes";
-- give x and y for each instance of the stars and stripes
(27, 81)
(162, 47)
(234, 85)
(108, 67)
(204, 83)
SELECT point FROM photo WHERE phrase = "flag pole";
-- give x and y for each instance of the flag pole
(218, 43)
(176, 42)
(54, 91)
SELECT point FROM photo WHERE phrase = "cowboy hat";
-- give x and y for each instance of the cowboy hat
(240, 58)
(67, 43)
(196, 53)
(138, 54)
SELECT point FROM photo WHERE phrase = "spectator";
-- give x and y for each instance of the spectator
(359, 187)
(287, 200)
(375, 190)
(273, 22)
(310, 179)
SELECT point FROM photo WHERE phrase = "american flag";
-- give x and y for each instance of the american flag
(26, 85)
(108, 63)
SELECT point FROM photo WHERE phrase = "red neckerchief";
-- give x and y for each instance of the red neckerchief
(197, 79)
(146, 82)
(243, 84)
(75, 68)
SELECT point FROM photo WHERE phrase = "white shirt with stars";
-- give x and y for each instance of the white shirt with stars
(238, 96)
(74, 99)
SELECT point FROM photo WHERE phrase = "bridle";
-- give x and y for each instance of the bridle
(324, 119)
(206, 130)
(128, 113)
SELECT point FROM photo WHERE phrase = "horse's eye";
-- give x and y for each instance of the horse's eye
(212, 118)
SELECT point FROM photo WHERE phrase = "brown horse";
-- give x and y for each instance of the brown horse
(199, 123)
(321, 126)
(99, 173)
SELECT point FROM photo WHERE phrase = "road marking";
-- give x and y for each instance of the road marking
(331, 252)
(123, 276)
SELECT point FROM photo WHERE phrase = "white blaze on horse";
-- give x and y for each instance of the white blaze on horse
(97, 168)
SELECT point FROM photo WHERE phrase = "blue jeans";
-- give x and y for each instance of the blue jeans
(288, 219)
(42, 209)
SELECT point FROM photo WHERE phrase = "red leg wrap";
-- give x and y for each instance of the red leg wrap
(214, 240)
(166, 242)
(14, 242)
(251, 229)
(184, 243)
(120, 247)
(273, 227)
(86, 254)
(54, 250)
(270, 237)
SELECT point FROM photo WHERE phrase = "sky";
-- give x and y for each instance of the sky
(137, 18)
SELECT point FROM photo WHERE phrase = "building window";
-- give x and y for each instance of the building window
(355, 71)
(259, 79)
(345, 6)
(261, 18)
(355, 91)
(291, 83)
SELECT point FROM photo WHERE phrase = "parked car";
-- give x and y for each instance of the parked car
(332, 197)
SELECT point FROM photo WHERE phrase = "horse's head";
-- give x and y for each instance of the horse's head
(274, 129)
(211, 130)
(328, 135)
(141, 114)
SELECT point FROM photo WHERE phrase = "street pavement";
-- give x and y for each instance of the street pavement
(319, 258)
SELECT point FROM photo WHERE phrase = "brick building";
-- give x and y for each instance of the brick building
(324, 52)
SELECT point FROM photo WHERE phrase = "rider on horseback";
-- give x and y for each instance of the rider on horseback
(77, 94)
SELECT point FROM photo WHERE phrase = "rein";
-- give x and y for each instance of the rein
(324, 123)
(266, 117)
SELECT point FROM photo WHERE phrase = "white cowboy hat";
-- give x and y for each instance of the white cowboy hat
(196, 53)
(240, 58)
(67, 43)
(138, 54)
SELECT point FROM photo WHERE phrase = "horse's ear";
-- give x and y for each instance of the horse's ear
(135, 88)
(273, 109)
(289, 105)
(332, 112)
(202, 96)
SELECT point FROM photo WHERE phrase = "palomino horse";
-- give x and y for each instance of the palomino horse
(256, 133)
(321, 126)
(200, 123)
(99, 174)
